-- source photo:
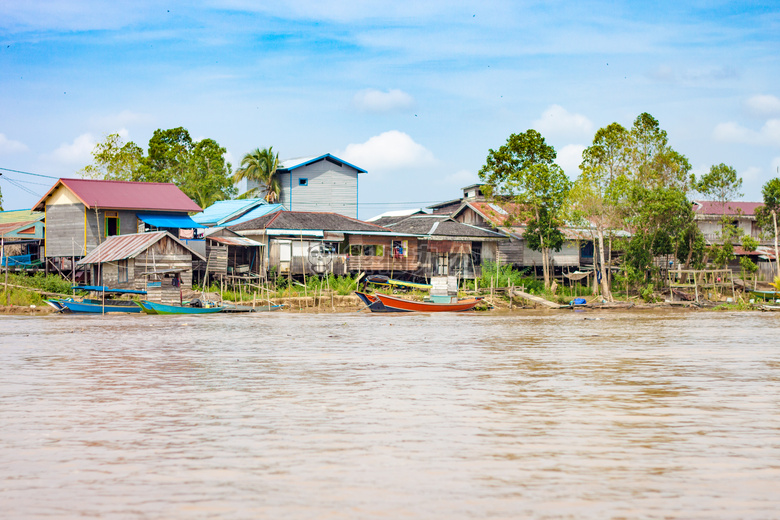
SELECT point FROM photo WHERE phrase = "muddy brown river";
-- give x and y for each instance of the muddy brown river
(546, 415)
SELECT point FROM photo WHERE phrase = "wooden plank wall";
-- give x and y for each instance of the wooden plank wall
(387, 262)
(65, 230)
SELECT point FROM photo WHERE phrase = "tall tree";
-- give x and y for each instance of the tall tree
(113, 159)
(600, 191)
(167, 158)
(260, 166)
(768, 215)
(207, 177)
(721, 184)
(524, 170)
(198, 168)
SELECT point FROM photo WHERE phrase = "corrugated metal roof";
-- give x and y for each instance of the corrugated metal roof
(223, 209)
(20, 215)
(710, 207)
(121, 247)
(150, 196)
(290, 164)
(13, 228)
(236, 241)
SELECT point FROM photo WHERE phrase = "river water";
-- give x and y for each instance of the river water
(586, 415)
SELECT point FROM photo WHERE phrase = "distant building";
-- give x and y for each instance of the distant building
(323, 184)
(709, 215)
(156, 262)
(82, 213)
(298, 242)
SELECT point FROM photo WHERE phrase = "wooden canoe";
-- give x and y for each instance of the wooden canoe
(160, 308)
(399, 304)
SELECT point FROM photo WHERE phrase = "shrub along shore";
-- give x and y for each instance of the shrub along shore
(27, 294)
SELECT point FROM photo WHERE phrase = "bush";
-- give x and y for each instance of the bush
(507, 276)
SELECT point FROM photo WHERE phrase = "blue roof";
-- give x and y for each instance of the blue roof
(224, 210)
(259, 211)
(165, 220)
(291, 164)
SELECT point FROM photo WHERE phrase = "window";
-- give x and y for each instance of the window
(111, 224)
(303, 182)
(400, 248)
(122, 271)
(355, 250)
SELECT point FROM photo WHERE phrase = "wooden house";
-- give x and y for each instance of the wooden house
(322, 184)
(446, 246)
(21, 238)
(709, 216)
(82, 213)
(306, 242)
(156, 262)
(474, 209)
(230, 256)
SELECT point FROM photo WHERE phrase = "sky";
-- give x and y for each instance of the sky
(417, 93)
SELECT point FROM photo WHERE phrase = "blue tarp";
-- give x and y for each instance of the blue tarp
(163, 220)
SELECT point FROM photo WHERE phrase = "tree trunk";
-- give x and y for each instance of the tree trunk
(605, 294)
(777, 257)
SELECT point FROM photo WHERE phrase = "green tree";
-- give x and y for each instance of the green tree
(113, 159)
(768, 214)
(524, 170)
(168, 156)
(260, 166)
(653, 163)
(207, 177)
(198, 168)
(599, 193)
(721, 184)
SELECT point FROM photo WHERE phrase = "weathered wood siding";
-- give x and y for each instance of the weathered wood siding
(511, 252)
(165, 254)
(65, 230)
(569, 255)
(330, 188)
(388, 262)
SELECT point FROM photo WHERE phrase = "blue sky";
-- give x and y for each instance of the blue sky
(414, 92)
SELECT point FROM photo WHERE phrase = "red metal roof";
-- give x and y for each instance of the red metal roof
(120, 247)
(148, 196)
(711, 207)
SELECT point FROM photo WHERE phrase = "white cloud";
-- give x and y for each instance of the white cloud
(79, 152)
(390, 150)
(763, 105)
(569, 158)
(556, 121)
(372, 100)
(768, 135)
(8, 146)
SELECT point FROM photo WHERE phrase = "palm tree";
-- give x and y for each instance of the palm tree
(260, 166)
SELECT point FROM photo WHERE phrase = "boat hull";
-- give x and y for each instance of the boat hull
(399, 304)
(93, 307)
(160, 308)
(373, 303)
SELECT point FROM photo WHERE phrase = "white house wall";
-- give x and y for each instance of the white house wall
(330, 188)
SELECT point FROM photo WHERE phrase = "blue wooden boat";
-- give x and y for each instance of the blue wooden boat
(98, 306)
(161, 308)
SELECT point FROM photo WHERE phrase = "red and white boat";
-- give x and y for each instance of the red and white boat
(393, 303)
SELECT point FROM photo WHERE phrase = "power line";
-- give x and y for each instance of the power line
(28, 173)
(21, 186)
